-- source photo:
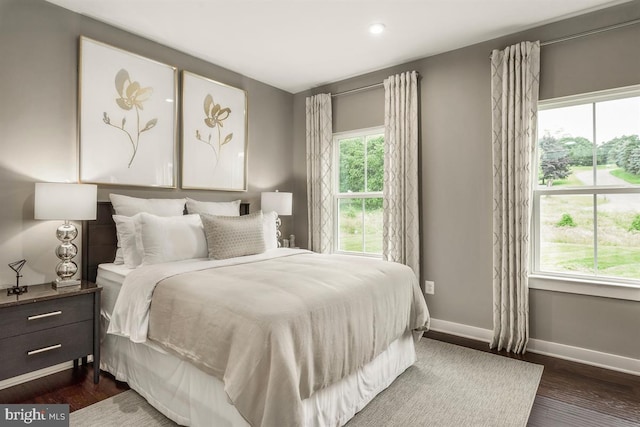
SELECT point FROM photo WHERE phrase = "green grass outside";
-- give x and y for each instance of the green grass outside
(564, 249)
(616, 261)
(570, 249)
(572, 179)
(629, 177)
(350, 235)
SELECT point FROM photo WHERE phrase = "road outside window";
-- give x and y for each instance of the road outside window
(587, 193)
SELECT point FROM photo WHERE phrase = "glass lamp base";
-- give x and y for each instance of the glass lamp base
(278, 232)
(66, 251)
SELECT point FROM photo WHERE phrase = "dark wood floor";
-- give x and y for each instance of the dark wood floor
(72, 386)
(584, 386)
(595, 389)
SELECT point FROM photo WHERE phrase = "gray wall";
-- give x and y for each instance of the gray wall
(456, 202)
(38, 83)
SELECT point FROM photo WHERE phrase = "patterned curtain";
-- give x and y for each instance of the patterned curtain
(319, 173)
(515, 75)
(401, 231)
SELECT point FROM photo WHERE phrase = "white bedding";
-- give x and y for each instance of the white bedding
(130, 317)
(110, 277)
(188, 395)
(191, 397)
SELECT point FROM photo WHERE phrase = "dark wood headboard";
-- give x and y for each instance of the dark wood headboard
(99, 240)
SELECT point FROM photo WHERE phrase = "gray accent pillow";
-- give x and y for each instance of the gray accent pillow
(234, 236)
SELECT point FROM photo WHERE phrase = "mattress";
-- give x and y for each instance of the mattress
(192, 397)
(110, 277)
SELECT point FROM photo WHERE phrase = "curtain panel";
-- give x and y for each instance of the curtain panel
(401, 224)
(320, 172)
(515, 75)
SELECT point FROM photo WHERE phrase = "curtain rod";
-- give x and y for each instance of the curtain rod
(547, 43)
(591, 32)
(358, 89)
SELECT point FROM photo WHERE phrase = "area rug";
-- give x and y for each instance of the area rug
(448, 386)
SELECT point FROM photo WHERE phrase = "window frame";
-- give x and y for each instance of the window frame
(605, 286)
(337, 195)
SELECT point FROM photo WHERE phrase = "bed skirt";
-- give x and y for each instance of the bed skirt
(191, 397)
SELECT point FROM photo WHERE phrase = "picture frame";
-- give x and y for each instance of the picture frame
(127, 120)
(214, 135)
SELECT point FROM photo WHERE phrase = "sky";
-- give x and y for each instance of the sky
(613, 118)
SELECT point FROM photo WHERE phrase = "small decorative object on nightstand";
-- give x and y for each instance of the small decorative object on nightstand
(49, 326)
(17, 289)
(280, 203)
(66, 202)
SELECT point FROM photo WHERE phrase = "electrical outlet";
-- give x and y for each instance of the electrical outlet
(429, 287)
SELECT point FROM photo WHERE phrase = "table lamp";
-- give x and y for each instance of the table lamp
(58, 201)
(280, 203)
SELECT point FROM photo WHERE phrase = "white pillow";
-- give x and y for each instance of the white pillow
(213, 208)
(269, 227)
(172, 238)
(129, 206)
(119, 259)
(129, 240)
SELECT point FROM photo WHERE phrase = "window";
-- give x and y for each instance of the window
(358, 191)
(587, 196)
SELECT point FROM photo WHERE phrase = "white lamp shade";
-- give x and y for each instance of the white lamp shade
(65, 201)
(277, 201)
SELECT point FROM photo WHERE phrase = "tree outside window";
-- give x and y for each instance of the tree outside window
(587, 198)
(358, 191)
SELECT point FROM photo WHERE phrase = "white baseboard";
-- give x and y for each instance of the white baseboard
(29, 376)
(561, 351)
(584, 355)
(462, 330)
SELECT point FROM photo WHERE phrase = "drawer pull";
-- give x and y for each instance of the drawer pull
(42, 316)
(42, 350)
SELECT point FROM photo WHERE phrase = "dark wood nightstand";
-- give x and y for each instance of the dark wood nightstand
(47, 326)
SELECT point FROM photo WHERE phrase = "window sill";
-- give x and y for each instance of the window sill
(359, 254)
(585, 287)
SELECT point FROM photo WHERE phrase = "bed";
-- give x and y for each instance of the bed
(247, 373)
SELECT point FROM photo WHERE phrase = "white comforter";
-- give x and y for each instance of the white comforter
(130, 317)
(295, 309)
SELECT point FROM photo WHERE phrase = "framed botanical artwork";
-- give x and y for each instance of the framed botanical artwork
(127, 118)
(214, 135)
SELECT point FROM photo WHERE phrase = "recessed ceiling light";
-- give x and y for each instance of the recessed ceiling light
(376, 28)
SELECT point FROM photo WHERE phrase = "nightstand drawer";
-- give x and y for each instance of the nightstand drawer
(28, 352)
(27, 318)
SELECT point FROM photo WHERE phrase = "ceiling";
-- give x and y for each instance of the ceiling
(296, 45)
